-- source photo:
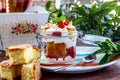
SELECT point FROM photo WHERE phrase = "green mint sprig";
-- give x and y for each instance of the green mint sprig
(109, 48)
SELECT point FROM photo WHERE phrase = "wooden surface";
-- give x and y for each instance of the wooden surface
(109, 73)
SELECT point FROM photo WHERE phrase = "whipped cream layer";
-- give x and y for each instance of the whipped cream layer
(50, 28)
(66, 40)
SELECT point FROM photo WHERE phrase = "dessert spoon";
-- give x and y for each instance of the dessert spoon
(87, 59)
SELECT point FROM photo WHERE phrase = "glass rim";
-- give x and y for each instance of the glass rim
(74, 34)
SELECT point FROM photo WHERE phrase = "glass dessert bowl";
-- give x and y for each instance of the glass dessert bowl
(58, 41)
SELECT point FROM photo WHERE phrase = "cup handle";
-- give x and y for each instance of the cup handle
(1, 42)
(39, 38)
(80, 34)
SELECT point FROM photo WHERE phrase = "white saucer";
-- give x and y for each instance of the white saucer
(90, 39)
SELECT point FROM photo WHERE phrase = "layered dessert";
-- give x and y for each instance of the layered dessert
(60, 41)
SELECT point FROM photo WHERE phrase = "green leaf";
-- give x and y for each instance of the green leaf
(99, 51)
(56, 13)
(48, 5)
(117, 20)
(78, 20)
(118, 10)
(79, 10)
(110, 52)
(93, 9)
(112, 4)
(118, 46)
(100, 12)
(112, 44)
(56, 20)
(104, 59)
(112, 56)
(97, 42)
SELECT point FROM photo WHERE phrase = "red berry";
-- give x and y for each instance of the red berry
(56, 33)
(61, 24)
(71, 52)
(66, 22)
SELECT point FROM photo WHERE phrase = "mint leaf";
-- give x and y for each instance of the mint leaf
(56, 20)
(109, 48)
(104, 59)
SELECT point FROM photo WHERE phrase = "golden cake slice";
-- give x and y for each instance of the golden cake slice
(31, 71)
(55, 50)
(37, 53)
(20, 54)
(50, 50)
(9, 71)
(60, 49)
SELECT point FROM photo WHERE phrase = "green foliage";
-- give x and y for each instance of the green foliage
(91, 19)
(109, 48)
(114, 24)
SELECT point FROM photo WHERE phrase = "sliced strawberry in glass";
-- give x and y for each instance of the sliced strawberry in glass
(71, 51)
(56, 33)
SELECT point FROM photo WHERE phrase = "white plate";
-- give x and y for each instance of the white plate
(95, 37)
(89, 38)
(86, 50)
(79, 69)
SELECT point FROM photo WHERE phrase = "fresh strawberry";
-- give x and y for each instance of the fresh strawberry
(61, 24)
(71, 52)
(56, 33)
(66, 22)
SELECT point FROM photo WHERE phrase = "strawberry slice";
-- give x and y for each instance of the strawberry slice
(61, 24)
(66, 23)
(56, 33)
(71, 51)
